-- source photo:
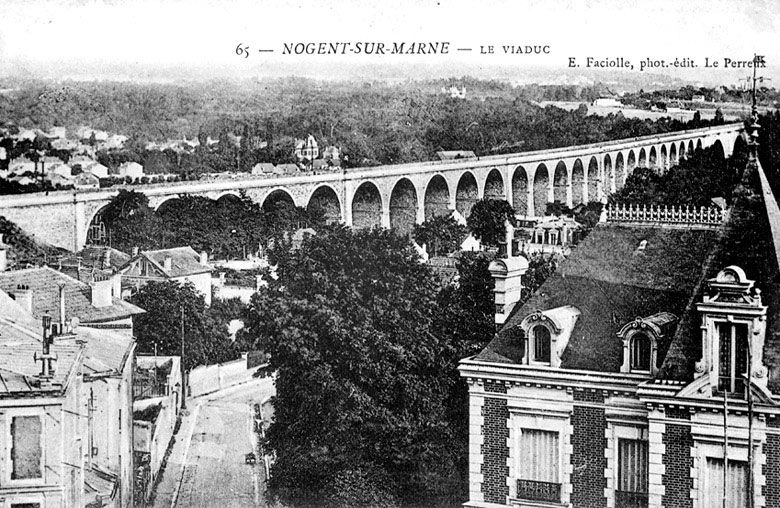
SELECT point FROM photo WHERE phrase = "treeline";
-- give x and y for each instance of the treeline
(258, 121)
(228, 228)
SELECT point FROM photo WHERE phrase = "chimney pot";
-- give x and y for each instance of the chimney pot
(135, 251)
(24, 296)
(167, 263)
(204, 257)
(101, 292)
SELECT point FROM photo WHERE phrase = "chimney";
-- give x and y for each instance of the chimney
(204, 258)
(62, 307)
(24, 297)
(101, 292)
(221, 278)
(135, 251)
(3, 255)
(168, 263)
(107, 259)
(508, 290)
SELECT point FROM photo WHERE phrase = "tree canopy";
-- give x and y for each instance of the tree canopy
(487, 220)
(206, 338)
(363, 382)
(441, 234)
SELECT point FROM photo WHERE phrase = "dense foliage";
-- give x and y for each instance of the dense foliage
(442, 235)
(487, 220)
(168, 305)
(365, 381)
(228, 228)
(240, 124)
(704, 175)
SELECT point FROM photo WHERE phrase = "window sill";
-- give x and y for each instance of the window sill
(527, 503)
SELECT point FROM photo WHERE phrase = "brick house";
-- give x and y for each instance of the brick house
(623, 381)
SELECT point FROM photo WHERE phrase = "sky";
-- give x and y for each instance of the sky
(109, 37)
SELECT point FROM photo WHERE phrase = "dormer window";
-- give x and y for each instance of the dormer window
(547, 333)
(541, 344)
(733, 326)
(642, 341)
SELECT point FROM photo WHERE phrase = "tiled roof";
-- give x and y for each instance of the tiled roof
(611, 280)
(44, 283)
(184, 261)
(94, 256)
(19, 341)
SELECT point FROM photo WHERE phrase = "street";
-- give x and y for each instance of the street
(209, 469)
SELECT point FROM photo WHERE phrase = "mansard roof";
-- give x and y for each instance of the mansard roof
(617, 274)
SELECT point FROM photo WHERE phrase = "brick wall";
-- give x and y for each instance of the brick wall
(772, 466)
(588, 445)
(678, 463)
(494, 449)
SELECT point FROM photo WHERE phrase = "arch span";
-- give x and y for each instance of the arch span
(366, 206)
(620, 171)
(609, 172)
(520, 190)
(276, 198)
(403, 206)
(494, 185)
(652, 158)
(437, 197)
(673, 160)
(642, 162)
(560, 183)
(324, 200)
(466, 193)
(541, 189)
(664, 158)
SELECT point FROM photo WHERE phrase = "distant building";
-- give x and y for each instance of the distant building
(306, 149)
(57, 180)
(697, 98)
(454, 92)
(130, 169)
(180, 264)
(96, 169)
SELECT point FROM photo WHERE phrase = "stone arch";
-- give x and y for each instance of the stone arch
(466, 193)
(740, 146)
(97, 229)
(437, 197)
(642, 162)
(366, 206)
(681, 155)
(593, 179)
(630, 163)
(664, 158)
(520, 190)
(325, 200)
(275, 198)
(652, 158)
(699, 145)
(620, 171)
(494, 185)
(403, 206)
(609, 172)
(690, 148)
(560, 183)
(577, 182)
(541, 189)
(164, 205)
(720, 153)
(228, 197)
(673, 160)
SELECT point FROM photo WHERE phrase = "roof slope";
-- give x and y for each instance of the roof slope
(612, 280)
(44, 283)
(184, 261)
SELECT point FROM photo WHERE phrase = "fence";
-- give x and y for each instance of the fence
(211, 378)
(683, 215)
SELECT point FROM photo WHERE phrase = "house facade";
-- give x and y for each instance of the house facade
(180, 264)
(644, 373)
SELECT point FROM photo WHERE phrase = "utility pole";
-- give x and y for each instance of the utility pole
(181, 362)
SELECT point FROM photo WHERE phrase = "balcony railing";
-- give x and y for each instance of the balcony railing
(684, 215)
(630, 499)
(533, 490)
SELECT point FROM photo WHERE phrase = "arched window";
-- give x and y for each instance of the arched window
(641, 347)
(541, 345)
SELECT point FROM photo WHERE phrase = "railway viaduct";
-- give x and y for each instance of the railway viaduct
(400, 195)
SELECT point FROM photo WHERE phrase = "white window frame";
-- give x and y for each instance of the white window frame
(704, 450)
(10, 414)
(11, 500)
(559, 424)
(616, 431)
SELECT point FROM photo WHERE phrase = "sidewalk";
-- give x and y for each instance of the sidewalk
(171, 474)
